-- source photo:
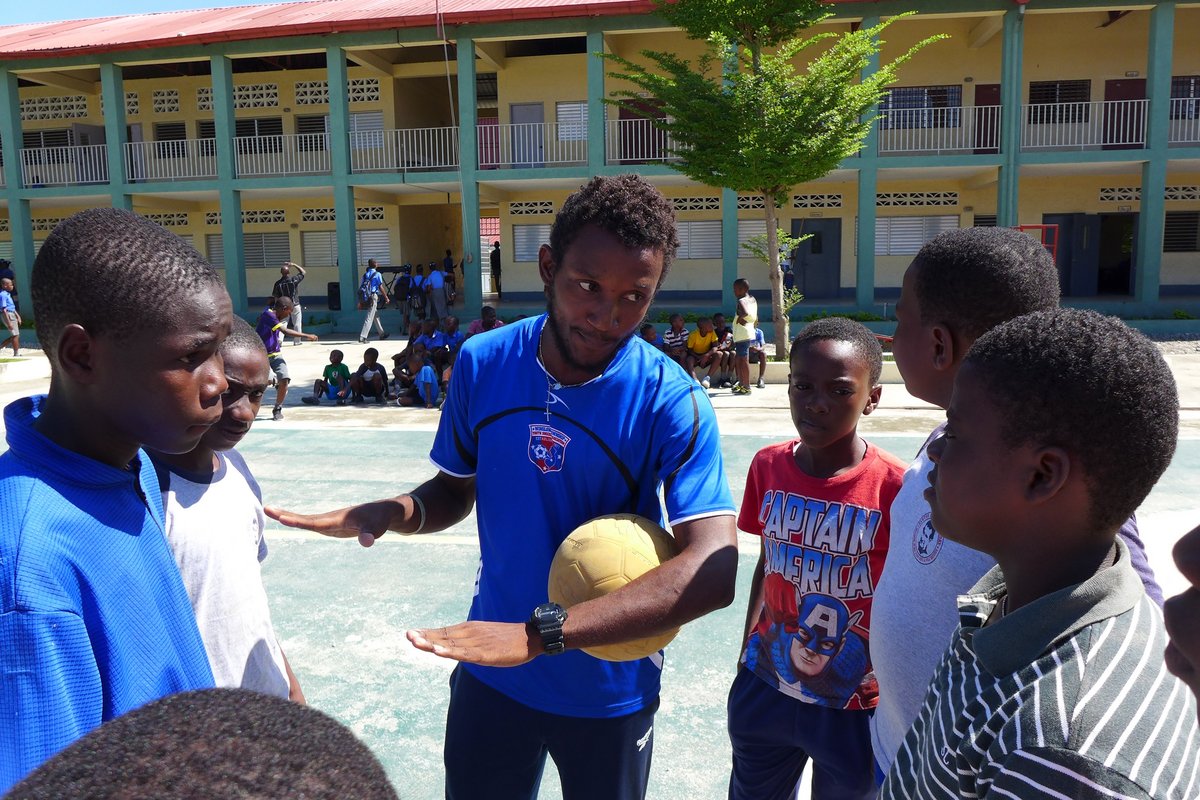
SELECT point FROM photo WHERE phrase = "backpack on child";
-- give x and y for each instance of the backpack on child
(364, 288)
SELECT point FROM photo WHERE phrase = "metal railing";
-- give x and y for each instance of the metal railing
(958, 129)
(636, 141)
(284, 154)
(184, 159)
(1185, 122)
(1083, 126)
(404, 150)
(64, 166)
(532, 144)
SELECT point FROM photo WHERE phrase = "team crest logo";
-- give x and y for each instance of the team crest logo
(547, 447)
(927, 542)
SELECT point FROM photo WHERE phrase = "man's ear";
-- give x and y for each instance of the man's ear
(546, 265)
(76, 352)
(1048, 472)
(942, 347)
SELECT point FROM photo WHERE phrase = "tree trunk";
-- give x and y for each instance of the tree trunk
(778, 315)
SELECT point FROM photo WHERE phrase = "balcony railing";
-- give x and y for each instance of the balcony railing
(286, 154)
(64, 166)
(185, 159)
(636, 141)
(1107, 124)
(405, 150)
(532, 144)
(1185, 122)
(969, 129)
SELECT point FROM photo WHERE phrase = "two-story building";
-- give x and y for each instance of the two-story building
(331, 131)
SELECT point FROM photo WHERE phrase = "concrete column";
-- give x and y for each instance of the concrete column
(868, 178)
(468, 164)
(112, 89)
(596, 129)
(1152, 210)
(343, 193)
(1011, 121)
(230, 197)
(19, 218)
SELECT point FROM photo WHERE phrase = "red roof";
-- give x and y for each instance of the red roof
(314, 17)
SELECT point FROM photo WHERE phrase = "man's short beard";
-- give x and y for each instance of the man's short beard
(561, 343)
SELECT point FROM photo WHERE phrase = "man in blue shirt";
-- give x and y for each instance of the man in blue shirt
(550, 422)
(371, 290)
(435, 287)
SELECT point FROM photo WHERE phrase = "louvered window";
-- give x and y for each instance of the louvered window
(904, 236)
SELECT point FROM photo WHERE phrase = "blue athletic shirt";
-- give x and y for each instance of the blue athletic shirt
(608, 447)
(94, 619)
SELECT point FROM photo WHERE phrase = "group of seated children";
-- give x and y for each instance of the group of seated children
(420, 373)
(708, 350)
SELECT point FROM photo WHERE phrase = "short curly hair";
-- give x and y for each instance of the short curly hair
(628, 207)
(243, 337)
(972, 279)
(842, 329)
(114, 273)
(1089, 384)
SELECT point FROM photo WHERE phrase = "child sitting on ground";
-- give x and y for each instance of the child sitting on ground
(700, 352)
(334, 382)
(94, 619)
(370, 380)
(650, 334)
(758, 354)
(724, 375)
(9, 316)
(211, 500)
(418, 382)
(675, 339)
(1053, 685)
(821, 505)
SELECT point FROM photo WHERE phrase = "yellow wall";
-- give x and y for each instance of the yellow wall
(541, 79)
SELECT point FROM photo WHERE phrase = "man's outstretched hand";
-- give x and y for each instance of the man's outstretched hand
(368, 521)
(492, 644)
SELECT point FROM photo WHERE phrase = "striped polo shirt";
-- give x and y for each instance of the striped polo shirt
(1067, 696)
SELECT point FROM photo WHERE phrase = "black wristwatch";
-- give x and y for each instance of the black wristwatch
(547, 619)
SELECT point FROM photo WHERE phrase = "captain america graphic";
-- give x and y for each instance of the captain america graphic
(809, 648)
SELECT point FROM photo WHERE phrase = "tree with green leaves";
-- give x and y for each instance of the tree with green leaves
(764, 108)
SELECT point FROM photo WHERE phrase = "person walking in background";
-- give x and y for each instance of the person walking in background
(369, 292)
(496, 270)
(288, 286)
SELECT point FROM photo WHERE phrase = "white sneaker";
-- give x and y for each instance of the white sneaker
(760, 384)
(705, 383)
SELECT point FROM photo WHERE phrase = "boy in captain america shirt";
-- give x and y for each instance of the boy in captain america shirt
(821, 504)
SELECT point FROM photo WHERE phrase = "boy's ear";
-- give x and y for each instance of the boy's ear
(1050, 469)
(546, 264)
(942, 343)
(76, 351)
(873, 399)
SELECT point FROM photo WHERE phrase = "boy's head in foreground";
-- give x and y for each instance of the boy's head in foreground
(1060, 424)
(833, 380)
(962, 284)
(247, 373)
(132, 319)
(219, 744)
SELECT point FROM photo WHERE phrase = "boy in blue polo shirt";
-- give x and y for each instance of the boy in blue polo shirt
(94, 619)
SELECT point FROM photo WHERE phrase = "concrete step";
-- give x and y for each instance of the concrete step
(31, 365)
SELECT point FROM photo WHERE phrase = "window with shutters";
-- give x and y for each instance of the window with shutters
(699, 239)
(984, 221)
(904, 236)
(1181, 232)
(313, 133)
(260, 135)
(6, 250)
(48, 141)
(319, 248)
(169, 138)
(922, 107)
(206, 132)
(1185, 97)
(747, 230)
(1054, 102)
(366, 130)
(259, 250)
(572, 121)
(528, 239)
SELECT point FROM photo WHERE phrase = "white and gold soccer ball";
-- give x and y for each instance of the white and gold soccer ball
(601, 556)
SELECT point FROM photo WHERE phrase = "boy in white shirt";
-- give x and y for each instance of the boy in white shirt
(215, 523)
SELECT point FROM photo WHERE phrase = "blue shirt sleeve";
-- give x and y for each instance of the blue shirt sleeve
(455, 450)
(50, 683)
(691, 467)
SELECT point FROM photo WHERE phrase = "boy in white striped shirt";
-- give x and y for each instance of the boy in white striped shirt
(1060, 424)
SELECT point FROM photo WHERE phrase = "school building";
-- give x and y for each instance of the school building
(331, 131)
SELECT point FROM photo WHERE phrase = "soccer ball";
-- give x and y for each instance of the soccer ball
(601, 556)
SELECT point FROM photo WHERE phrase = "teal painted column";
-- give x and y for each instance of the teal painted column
(1152, 210)
(868, 179)
(468, 165)
(729, 250)
(112, 89)
(596, 128)
(230, 197)
(1008, 189)
(343, 193)
(20, 223)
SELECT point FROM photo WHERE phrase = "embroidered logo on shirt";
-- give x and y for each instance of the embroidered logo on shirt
(927, 542)
(547, 447)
